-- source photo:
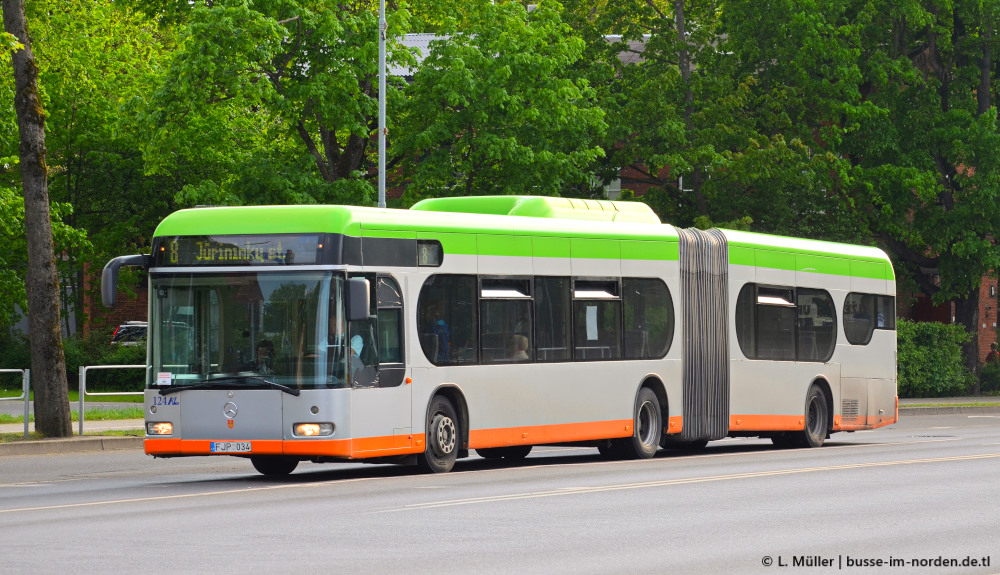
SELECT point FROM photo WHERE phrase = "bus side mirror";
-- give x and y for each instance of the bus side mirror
(358, 299)
(109, 277)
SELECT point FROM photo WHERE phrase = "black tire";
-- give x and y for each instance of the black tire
(274, 465)
(785, 441)
(817, 419)
(610, 448)
(693, 445)
(516, 452)
(490, 452)
(513, 453)
(443, 437)
(647, 427)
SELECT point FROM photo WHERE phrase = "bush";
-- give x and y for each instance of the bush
(15, 353)
(989, 378)
(930, 360)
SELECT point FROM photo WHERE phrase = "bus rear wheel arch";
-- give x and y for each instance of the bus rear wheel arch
(816, 421)
(647, 430)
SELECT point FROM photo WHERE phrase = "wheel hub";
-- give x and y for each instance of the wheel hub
(444, 435)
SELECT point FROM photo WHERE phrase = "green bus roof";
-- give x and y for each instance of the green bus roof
(544, 207)
(528, 226)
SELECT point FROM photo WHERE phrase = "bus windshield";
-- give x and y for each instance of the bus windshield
(253, 329)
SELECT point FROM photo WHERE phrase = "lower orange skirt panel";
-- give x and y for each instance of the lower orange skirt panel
(562, 433)
(345, 448)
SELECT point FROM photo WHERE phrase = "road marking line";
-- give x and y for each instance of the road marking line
(682, 481)
(542, 465)
(184, 496)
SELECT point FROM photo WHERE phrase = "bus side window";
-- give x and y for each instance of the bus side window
(859, 318)
(505, 309)
(447, 318)
(649, 318)
(552, 318)
(597, 314)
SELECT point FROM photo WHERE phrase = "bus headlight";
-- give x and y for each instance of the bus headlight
(159, 428)
(312, 429)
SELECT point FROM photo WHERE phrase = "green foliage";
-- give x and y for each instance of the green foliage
(930, 360)
(989, 378)
(497, 109)
(271, 102)
(96, 350)
(14, 256)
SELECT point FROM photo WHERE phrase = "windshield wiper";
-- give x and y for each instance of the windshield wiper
(214, 384)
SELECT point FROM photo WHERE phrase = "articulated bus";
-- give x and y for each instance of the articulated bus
(336, 333)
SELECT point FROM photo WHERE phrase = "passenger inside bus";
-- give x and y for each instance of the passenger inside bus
(438, 334)
(361, 363)
(265, 357)
(520, 347)
(357, 346)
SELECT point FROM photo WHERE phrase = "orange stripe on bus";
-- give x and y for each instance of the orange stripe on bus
(164, 446)
(536, 434)
(766, 422)
(360, 447)
(346, 448)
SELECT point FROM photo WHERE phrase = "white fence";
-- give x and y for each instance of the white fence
(83, 386)
(25, 393)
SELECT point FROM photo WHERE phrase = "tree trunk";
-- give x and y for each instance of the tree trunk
(48, 364)
(967, 315)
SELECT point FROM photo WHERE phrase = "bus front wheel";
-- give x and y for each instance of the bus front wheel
(442, 437)
(274, 465)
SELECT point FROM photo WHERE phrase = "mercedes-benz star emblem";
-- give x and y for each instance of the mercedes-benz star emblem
(230, 410)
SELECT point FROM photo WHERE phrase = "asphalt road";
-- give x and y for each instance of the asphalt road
(926, 489)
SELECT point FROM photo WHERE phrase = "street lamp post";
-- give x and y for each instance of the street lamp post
(381, 103)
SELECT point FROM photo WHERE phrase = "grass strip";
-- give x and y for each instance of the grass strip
(92, 415)
(971, 404)
(35, 436)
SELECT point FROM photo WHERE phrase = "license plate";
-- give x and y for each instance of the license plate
(230, 447)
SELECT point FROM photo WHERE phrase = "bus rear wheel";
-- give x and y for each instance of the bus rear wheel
(443, 433)
(816, 421)
(648, 427)
(274, 465)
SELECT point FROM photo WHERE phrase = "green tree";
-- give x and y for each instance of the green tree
(96, 59)
(273, 101)
(48, 364)
(927, 166)
(496, 108)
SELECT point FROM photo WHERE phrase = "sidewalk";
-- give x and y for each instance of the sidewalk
(77, 443)
(87, 442)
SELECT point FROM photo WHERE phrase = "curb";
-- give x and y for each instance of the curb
(70, 445)
(950, 410)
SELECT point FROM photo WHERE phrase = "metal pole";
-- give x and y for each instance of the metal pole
(83, 392)
(382, 25)
(26, 386)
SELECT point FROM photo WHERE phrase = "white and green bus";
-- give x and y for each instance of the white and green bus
(333, 333)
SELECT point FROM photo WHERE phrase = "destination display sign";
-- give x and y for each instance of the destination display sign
(243, 250)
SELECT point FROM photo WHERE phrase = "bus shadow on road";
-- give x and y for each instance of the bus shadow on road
(542, 456)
